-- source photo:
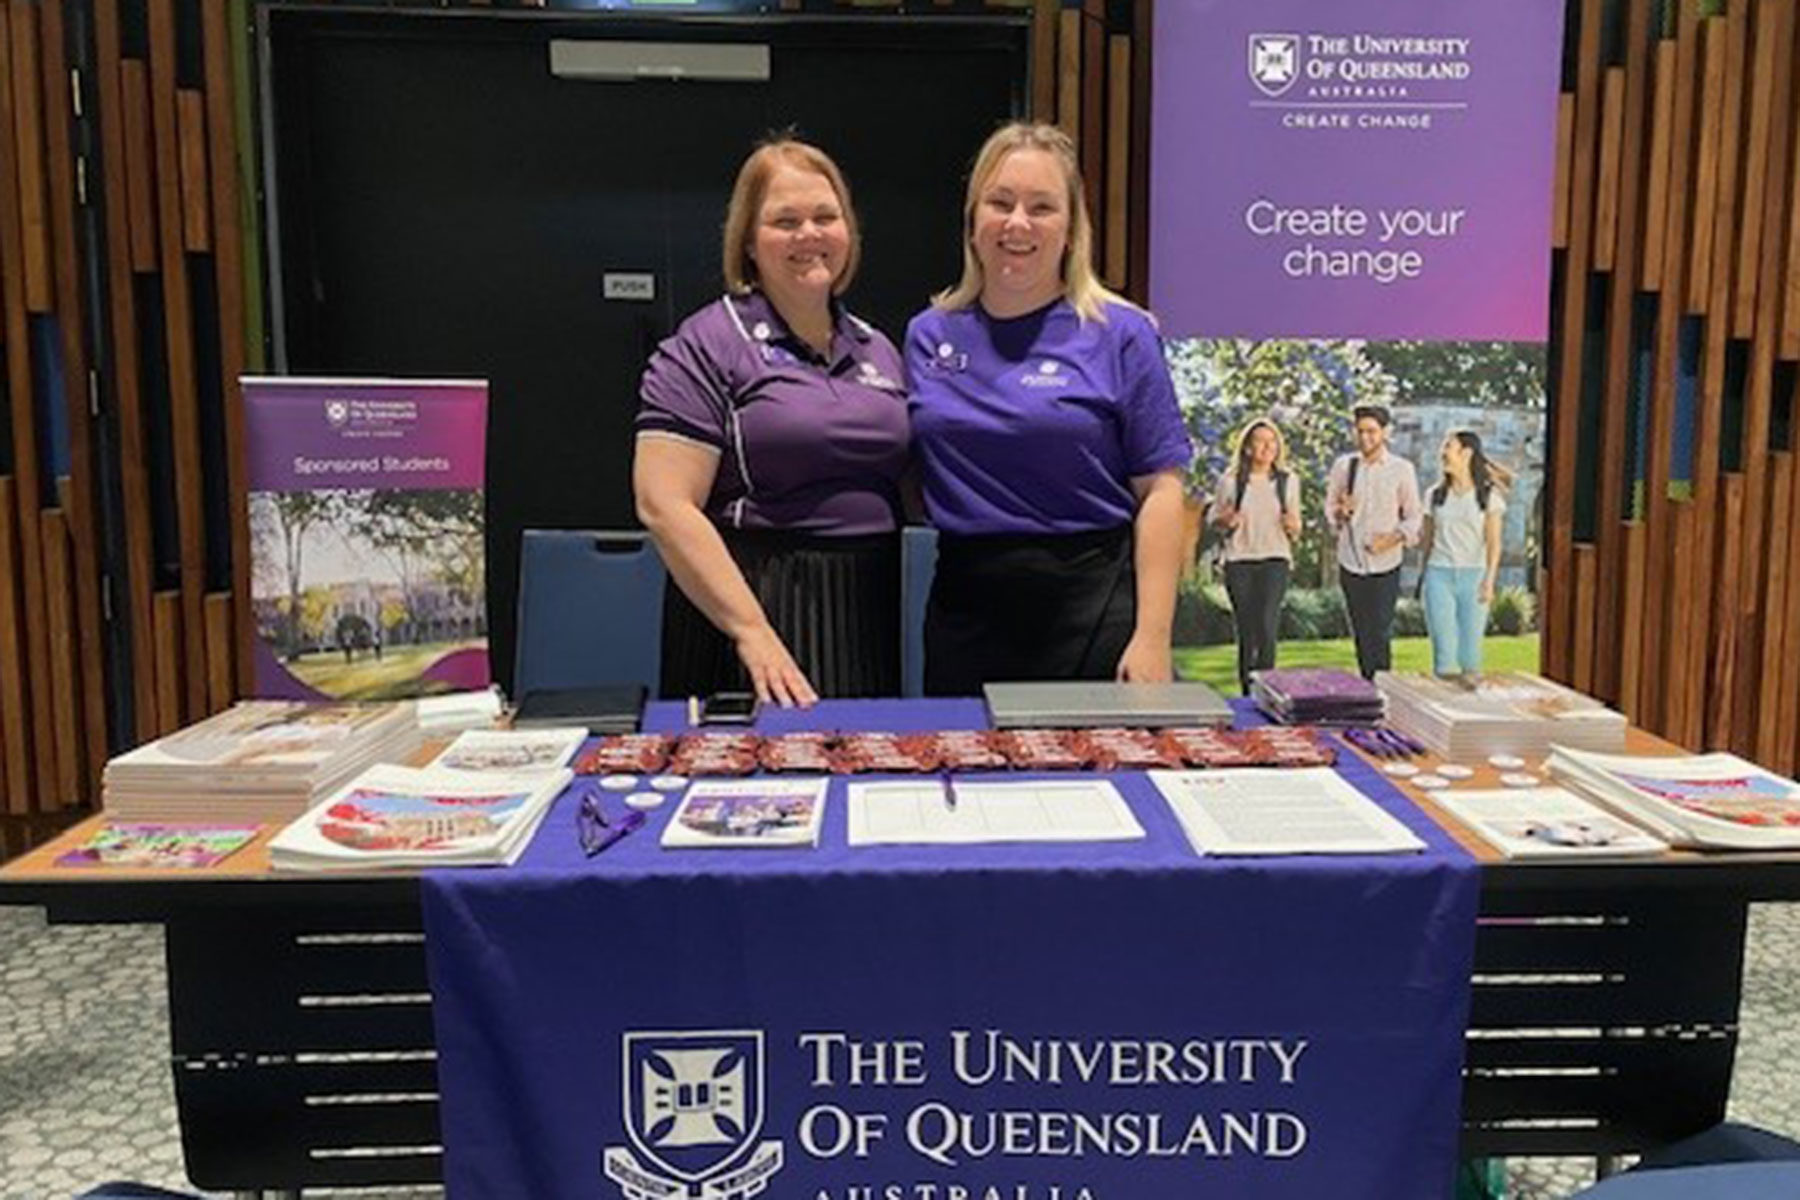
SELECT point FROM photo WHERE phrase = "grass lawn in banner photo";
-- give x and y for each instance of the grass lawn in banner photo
(395, 674)
(1217, 665)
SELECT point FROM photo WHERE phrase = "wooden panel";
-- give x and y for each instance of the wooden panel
(1710, 119)
(1068, 72)
(1656, 174)
(1043, 60)
(140, 193)
(1612, 141)
(20, 784)
(1616, 404)
(65, 708)
(1677, 697)
(1557, 642)
(1790, 303)
(190, 120)
(220, 683)
(1723, 667)
(75, 492)
(184, 401)
(229, 275)
(27, 471)
(1774, 672)
(1631, 623)
(166, 610)
(1769, 23)
(1092, 146)
(1787, 664)
(124, 90)
(28, 133)
(1565, 153)
(1582, 668)
(1118, 162)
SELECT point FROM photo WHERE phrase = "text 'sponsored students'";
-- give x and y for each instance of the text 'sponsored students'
(771, 440)
(1258, 507)
(1050, 446)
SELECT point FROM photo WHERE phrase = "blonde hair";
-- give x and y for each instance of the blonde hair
(1086, 294)
(747, 196)
(1240, 449)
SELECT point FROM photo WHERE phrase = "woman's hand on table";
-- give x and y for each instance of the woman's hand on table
(775, 676)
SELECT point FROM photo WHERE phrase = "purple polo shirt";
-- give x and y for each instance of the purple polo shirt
(806, 444)
(1037, 424)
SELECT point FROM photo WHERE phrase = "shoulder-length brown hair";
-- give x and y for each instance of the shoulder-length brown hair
(1085, 292)
(747, 201)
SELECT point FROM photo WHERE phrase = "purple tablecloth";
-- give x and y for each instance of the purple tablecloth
(1123, 1017)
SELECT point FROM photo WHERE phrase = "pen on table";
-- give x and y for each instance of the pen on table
(949, 792)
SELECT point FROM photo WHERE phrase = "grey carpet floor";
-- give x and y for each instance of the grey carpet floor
(85, 1091)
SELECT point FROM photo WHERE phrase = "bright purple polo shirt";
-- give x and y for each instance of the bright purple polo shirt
(805, 444)
(1037, 424)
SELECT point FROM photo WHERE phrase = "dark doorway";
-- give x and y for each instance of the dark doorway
(448, 207)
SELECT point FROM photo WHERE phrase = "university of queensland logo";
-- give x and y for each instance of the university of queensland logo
(693, 1110)
(1274, 61)
(337, 412)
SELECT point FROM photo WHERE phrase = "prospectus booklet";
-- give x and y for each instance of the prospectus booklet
(748, 813)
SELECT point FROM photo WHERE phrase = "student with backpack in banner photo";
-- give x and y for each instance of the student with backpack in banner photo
(1257, 507)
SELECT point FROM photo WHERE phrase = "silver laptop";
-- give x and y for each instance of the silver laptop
(1086, 704)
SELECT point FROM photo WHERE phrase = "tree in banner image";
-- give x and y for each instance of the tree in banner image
(1306, 387)
(279, 523)
(1490, 374)
(435, 533)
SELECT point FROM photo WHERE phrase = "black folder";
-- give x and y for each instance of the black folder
(608, 708)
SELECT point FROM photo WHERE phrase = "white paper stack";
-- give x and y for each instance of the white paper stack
(1508, 713)
(258, 761)
(1548, 822)
(1305, 810)
(391, 817)
(1711, 801)
(510, 751)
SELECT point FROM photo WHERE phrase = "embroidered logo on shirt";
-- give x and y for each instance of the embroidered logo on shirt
(1049, 375)
(871, 376)
(947, 358)
(761, 331)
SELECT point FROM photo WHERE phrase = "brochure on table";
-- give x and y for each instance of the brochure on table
(943, 811)
(1310, 810)
(739, 814)
(1548, 822)
(1712, 801)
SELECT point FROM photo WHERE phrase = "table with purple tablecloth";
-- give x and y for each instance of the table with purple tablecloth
(1115, 1021)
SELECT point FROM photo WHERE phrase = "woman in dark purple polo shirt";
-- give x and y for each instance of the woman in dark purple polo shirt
(1051, 449)
(771, 438)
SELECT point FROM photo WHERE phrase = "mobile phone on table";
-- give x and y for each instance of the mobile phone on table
(728, 708)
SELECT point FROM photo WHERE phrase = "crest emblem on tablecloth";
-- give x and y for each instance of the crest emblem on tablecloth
(692, 1104)
(1274, 61)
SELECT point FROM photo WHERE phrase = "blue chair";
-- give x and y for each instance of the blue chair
(590, 610)
(918, 563)
(1727, 1162)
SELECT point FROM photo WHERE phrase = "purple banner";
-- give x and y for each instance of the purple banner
(365, 433)
(1354, 168)
(367, 528)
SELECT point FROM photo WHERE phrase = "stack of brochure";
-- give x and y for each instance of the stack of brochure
(1317, 696)
(256, 762)
(1547, 822)
(511, 751)
(743, 814)
(419, 817)
(1507, 713)
(1711, 801)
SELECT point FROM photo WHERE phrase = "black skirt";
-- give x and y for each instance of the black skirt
(1007, 607)
(835, 602)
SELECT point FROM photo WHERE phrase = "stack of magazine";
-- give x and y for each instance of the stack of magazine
(391, 817)
(258, 761)
(1709, 801)
(1506, 713)
(1317, 696)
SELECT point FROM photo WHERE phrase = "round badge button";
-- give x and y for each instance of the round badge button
(646, 800)
(618, 783)
(1431, 783)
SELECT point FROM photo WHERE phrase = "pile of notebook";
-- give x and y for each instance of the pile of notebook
(1317, 696)
(1710, 801)
(258, 761)
(1506, 713)
(394, 817)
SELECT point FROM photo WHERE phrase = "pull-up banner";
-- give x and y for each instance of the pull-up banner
(1376, 169)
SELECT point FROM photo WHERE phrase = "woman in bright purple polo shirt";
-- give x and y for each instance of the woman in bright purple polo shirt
(1050, 446)
(771, 438)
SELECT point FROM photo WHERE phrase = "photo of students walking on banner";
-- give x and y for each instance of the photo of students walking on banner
(1362, 505)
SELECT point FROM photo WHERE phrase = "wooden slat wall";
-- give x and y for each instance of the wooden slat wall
(1689, 125)
(110, 122)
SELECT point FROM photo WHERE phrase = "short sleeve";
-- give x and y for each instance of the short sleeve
(1496, 501)
(1155, 437)
(685, 389)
